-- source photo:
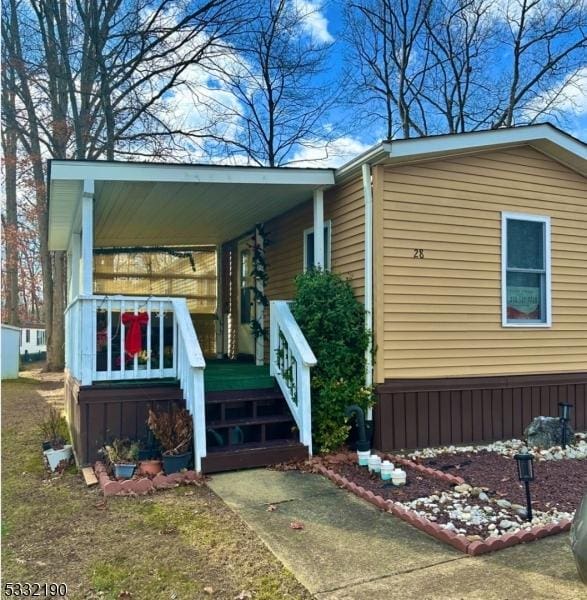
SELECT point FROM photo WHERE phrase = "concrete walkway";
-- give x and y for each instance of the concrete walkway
(350, 550)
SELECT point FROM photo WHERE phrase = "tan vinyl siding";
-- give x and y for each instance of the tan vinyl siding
(344, 207)
(285, 254)
(441, 316)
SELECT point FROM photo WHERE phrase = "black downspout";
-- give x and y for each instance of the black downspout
(363, 443)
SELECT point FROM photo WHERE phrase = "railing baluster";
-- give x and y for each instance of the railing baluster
(174, 344)
(94, 337)
(149, 353)
(122, 342)
(135, 360)
(109, 337)
(161, 332)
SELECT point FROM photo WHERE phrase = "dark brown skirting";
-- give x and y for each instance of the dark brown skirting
(414, 413)
(98, 414)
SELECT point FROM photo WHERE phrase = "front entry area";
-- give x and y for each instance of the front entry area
(246, 303)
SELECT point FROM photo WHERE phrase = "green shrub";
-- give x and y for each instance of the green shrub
(333, 322)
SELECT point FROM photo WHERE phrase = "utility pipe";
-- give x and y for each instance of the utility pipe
(368, 193)
(362, 443)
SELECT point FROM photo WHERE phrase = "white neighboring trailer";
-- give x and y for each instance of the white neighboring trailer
(33, 339)
(10, 351)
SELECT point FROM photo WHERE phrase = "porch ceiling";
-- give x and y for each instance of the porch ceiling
(142, 204)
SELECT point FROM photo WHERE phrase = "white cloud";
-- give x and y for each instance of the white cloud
(569, 97)
(313, 19)
(328, 154)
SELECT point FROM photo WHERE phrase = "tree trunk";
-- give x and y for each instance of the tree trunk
(57, 361)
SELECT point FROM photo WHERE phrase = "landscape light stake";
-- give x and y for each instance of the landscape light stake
(564, 414)
(526, 474)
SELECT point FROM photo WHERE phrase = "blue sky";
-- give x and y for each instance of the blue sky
(330, 20)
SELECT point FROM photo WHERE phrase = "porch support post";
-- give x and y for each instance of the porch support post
(219, 304)
(260, 309)
(88, 341)
(87, 250)
(319, 229)
(73, 265)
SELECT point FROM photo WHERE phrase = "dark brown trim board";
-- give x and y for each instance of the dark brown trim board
(98, 414)
(412, 413)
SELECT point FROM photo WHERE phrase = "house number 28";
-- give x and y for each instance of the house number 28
(418, 253)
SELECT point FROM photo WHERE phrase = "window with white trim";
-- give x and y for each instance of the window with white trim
(525, 270)
(309, 246)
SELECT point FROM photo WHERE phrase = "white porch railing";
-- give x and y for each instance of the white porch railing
(190, 372)
(290, 360)
(95, 340)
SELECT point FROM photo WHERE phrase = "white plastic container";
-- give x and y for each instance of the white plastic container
(54, 457)
(398, 477)
(386, 470)
(363, 458)
(374, 464)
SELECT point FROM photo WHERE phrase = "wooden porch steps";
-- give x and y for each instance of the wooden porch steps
(247, 456)
(249, 428)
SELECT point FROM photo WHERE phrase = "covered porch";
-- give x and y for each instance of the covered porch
(123, 326)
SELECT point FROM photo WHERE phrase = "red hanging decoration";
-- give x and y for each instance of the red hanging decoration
(133, 340)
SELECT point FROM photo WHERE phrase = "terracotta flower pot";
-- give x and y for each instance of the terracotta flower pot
(150, 467)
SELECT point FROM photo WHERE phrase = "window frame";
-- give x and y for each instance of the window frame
(545, 220)
(327, 240)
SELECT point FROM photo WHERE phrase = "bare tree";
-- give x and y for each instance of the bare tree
(94, 79)
(546, 42)
(9, 219)
(438, 66)
(389, 61)
(275, 99)
(461, 41)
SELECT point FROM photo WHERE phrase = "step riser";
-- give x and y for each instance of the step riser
(232, 461)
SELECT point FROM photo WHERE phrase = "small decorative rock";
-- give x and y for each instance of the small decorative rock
(483, 497)
(505, 524)
(503, 503)
(463, 488)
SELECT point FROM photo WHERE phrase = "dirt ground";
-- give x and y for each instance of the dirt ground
(179, 544)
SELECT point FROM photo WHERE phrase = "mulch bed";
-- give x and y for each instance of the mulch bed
(559, 483)
(417, 484)
(430, 502)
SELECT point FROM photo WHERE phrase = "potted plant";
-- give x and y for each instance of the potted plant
(123, 455)
(150, 456)
(55, 436)
(173, 429)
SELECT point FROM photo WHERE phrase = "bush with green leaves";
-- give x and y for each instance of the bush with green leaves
(333, 322)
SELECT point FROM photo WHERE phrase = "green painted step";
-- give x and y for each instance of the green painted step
(223, 375)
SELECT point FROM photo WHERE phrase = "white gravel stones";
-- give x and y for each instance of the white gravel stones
(463, 514)
(509, 448)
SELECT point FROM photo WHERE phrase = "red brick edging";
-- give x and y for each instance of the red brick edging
(458, 541)
(142, 485)
(452, 479)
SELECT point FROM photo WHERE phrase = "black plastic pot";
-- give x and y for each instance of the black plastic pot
(176, 462)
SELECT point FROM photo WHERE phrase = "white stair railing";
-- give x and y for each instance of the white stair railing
(290, 362)
(190, 372)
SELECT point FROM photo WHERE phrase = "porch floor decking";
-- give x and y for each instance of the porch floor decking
(224, 375)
